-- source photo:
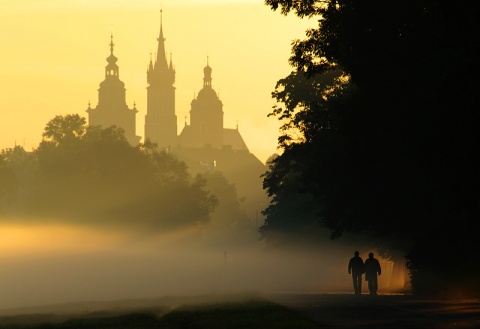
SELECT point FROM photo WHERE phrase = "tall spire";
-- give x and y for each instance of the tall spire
(112, 68)
(161, 121)
(161, 55)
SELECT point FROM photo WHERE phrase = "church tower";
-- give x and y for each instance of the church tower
(112, 109)
(206, 117)
(161, 121)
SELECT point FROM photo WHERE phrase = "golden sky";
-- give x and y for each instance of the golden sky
(53, 55)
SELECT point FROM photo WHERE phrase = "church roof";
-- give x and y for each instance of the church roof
(232, 137)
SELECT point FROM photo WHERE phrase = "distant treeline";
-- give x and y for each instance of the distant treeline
(93, 175)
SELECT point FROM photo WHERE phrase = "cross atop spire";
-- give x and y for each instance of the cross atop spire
(111, 43)
(161, 38)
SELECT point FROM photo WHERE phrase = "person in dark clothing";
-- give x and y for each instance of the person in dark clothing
(355, 267)
(372, 268)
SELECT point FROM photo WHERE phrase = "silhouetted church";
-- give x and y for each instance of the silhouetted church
(206, 121)
(204, 144)
(206, 114)
(112, 109)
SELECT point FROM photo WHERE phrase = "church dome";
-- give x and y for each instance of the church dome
(207, 93)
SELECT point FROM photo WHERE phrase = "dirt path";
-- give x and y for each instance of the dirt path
(382, 311)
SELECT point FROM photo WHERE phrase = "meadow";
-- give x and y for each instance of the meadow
(169, 312)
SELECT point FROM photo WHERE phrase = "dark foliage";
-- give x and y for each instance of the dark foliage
(392, 151)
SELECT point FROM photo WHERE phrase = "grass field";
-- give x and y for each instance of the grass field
(245, 313)
(251, 310)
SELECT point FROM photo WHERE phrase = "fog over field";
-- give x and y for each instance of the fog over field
(48, 265)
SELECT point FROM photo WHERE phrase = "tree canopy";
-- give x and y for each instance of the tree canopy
(389, 146)
(93, 175)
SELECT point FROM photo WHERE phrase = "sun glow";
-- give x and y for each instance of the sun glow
(35, 239)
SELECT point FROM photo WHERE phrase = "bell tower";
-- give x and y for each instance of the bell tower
(112, 109)
(160, 120)
(206, 115)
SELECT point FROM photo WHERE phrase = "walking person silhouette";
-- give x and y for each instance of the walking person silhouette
(355, 267)
(372, 268)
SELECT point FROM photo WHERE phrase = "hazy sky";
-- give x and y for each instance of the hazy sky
(53, 57)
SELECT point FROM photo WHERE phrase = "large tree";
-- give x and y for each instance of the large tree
(391, 148)
(65, 128)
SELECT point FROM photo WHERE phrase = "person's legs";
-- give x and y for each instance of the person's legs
(374, 285)
(357, 283)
